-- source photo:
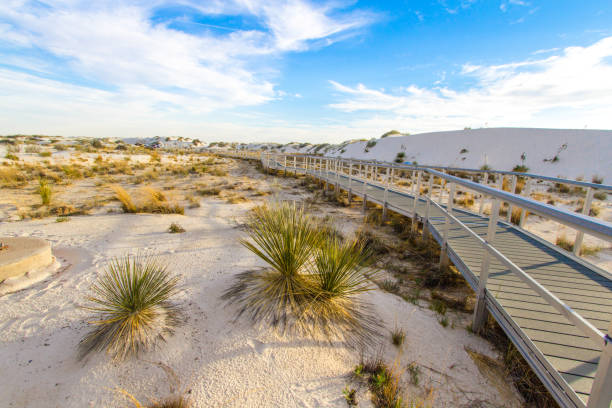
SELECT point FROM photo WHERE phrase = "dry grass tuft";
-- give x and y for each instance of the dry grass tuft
(125, 199)
(175, 228)
(154, 201)
(11, 177)
(398, 335)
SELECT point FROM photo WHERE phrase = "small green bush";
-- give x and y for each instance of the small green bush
(44, 190)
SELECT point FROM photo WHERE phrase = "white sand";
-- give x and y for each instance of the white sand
(220, 363)
(586, 153)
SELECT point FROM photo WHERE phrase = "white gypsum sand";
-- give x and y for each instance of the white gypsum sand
(219, 362)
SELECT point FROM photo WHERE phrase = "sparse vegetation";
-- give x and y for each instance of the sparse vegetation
(520, 168)
(315, 298)
(153, 201)
(132, 306)
(350, 396)
(399, 158)
(391, 133)
(175, 228)
(44, 190)
(398, 335)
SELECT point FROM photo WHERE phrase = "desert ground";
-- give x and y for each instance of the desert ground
(215, 359)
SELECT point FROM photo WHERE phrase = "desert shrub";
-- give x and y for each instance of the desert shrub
(132, 307)
(12, 177)
(152, 201)
(62, 218)
(588, 250)
(45, 154)
(561, 188)
(597, 179)
(390, 285)
(333, 307)
(157, 203)
(399, 157)
(520, 168)
(32, 149)
(383, 382)
(11, 156)
(515, 217)
(211, 190)
(285, 238)
(600, 195)
(438, 306)
(175, 228)
(466, 200)
(485, 167)
(463, 151)
(564, 243)
(44, 190)
(398, 335)
(97, 143)
(594, 211)
(311, 282)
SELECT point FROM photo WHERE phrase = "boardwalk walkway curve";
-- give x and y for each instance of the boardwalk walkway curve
(554, 306)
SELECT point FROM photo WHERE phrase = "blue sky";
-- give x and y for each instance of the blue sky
(249, 70)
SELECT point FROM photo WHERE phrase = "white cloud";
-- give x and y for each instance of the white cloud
(567, 90)
(73, 48)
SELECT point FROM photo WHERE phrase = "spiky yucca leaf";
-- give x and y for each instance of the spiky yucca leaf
(132, 307)
(334, 309)
(284, 236)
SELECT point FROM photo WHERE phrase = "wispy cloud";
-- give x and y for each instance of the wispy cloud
(116, 51)
(571, 89)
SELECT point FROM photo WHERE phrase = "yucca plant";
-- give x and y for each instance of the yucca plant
(312, 282)
(132, 306)
(283, 236)
(333, 307)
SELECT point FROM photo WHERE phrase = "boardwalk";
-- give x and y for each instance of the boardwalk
(565, 359)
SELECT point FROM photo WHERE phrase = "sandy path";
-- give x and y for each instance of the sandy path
(220, 363)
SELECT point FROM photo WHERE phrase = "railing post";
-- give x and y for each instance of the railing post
(285, 164)
(512, 190)
(527, 192)
(482, 196)
(416, 196)
(295, 165)
(427, 210)
(601, 390)
(365, 203)
(480, 315)
(449, 210)
(386, 187)
(586, 209)
(350, 176)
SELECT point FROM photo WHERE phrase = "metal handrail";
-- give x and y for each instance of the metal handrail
(586, 327)
(581, 222)
(408, 166)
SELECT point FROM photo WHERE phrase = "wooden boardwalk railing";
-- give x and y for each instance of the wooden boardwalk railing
(554, 306)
